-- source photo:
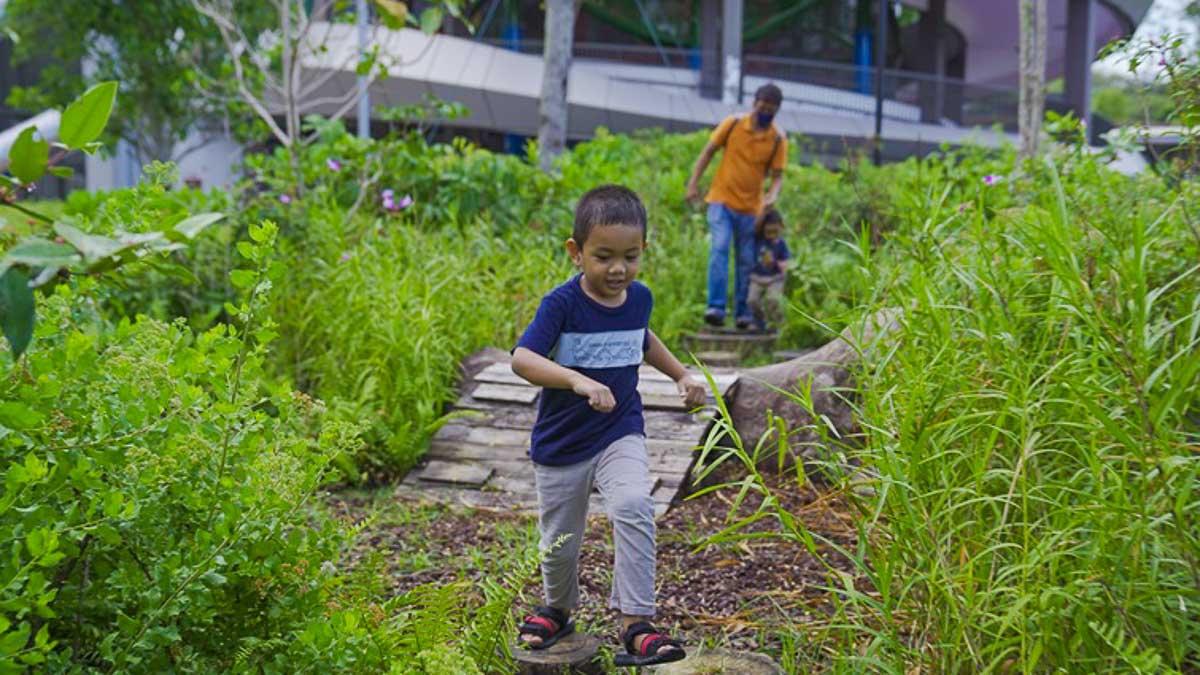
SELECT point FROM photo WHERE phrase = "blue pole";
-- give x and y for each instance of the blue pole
(863, 57)
(514, 144)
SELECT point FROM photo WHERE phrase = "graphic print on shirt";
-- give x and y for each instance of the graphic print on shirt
(766, 257)
(611, 349)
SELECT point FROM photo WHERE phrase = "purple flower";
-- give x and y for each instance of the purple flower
(345, 257)
(962, 207)
(1162, 60)
(390, 203)
(286, 199)
(992, 179)
(333, 165)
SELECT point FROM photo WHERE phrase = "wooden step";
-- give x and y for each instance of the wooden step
(719, 358)
(743, 342)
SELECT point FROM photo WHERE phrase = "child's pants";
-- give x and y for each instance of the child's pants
(622, 473)
(766, 299)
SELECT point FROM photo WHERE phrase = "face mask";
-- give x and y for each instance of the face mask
(764, 119)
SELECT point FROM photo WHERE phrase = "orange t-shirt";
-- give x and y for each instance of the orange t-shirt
(743, 167)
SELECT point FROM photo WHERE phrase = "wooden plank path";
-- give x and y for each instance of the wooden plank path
(480, 457)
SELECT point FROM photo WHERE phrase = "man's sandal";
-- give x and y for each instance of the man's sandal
(652, 651)
(547, 623)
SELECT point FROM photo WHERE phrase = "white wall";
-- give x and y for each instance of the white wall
(213, 164)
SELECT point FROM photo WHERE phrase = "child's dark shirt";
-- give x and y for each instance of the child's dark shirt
(768, 255)
(606, 344)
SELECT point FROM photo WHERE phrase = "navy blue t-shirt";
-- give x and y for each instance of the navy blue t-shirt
(604, 343)
(767, 255)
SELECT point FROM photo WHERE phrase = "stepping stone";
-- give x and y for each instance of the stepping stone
(467, 474)
(575, 653)
(742, 663)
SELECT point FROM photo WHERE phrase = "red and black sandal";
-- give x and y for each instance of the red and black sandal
(652, 652)
(547, 623)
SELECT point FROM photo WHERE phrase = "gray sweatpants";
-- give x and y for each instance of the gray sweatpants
(622, 474)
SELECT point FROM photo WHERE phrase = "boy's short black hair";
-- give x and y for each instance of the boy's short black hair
(607, 205)
(769, 93)
(772, 217)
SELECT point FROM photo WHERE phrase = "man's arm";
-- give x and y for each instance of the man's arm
(660, 357)
(698, 169)
(775, 189)
(543, 372)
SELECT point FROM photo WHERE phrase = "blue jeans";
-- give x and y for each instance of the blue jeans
(728, 226)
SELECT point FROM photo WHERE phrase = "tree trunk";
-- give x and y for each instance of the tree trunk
(827, 371)
(1033, 75)
(556, 52)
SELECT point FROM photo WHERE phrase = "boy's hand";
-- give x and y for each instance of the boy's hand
(599, 396)
(691, 391)
(693, 194)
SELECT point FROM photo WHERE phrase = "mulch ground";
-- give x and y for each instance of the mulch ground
(733, 595)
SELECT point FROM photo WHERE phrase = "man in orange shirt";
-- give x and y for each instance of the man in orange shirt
(753, 148)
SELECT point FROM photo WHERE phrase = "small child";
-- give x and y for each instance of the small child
(584, 347)
(770, 267)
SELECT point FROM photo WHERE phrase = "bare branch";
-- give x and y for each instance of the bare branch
(347, 107)
(308, 106)
(239, 73)
(336, 70)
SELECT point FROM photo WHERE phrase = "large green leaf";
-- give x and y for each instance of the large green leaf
(16, 310)
(431, 20)
(28, 156)
(83, 121)
(17, 415)
(191, 226)
(93, 247)
(393, 12)
(39, 253)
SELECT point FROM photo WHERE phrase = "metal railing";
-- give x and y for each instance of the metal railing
(840, 87)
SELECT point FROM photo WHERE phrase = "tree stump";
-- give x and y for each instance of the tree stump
(828, 369)
(575, 653)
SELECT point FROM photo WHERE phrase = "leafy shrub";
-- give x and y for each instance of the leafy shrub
(153, 494)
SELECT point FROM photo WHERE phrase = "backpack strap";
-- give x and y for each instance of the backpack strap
(725, 138)
(774, 149)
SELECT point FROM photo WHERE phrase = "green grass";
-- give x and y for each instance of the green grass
(1031, 439)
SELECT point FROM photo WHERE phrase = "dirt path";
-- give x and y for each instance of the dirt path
(737, 595)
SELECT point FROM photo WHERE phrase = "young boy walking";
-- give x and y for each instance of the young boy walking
(584, 347)
(771, 261)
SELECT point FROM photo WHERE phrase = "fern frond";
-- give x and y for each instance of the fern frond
(486, 636)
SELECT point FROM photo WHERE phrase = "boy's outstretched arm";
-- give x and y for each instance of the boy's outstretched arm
(543, 372)
(692, 391)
